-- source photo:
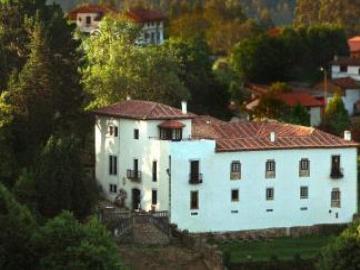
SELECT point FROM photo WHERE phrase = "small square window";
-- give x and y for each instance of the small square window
(136, 134)
(343, 68)
(113, 188)
(270, 169)
(235, 170)
(304, 192)
(235, 195)
(304, 167)
(270, 194)
(113, 131)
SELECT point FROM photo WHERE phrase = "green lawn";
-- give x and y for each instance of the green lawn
(283, 248)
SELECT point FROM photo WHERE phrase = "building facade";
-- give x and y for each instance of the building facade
(215, 176)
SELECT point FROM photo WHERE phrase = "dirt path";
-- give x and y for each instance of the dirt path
(160, 258)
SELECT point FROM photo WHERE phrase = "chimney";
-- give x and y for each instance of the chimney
(272, 136)
(128, 97)
(184, 107)
(347, 135)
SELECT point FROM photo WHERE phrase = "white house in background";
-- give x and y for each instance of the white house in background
(215, 176)
(152, 23)
(342, 67)
(349, 89)
(87, 17)
(297, 96)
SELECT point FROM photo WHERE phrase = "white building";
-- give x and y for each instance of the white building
(343, 67)
(152, 23)
(215, 176)
(88, 17)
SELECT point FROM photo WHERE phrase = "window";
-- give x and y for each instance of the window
(195, 176)
(154, 197)
(335, 198)
(343, 68)
(235, 170)
(304, 192)
(336, 171)
(88, 20)
(359, 71)
(270, 169)
(154, 171)
(304, 167)
(152, 38)
(113, 131)
(194, 200)
(136, 165)
(112, 165)
(158, 37)
(136, 134)
(171, 134)
(113, 188)
(234, 195)
(270, 194)
(176, 134)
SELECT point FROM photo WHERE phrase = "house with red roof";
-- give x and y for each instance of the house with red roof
(293, 98)
(209, 175)
(88, 16)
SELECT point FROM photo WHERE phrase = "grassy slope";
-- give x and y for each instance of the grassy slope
(283, 248)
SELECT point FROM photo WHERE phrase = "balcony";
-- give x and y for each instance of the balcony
(195, 178)
(134, 175)
(337, 173)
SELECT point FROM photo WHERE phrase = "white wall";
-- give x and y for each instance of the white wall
(215, 204)
(315, 116)
(352, 71)
(147, 149)
(149, 29)
(83, 26)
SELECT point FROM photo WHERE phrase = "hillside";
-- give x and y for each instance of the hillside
(281, 11)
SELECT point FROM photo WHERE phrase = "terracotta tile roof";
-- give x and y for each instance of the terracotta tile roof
(354, 44)
(171, 124)
(303, 98)
(144, 15)
(346, 83)
(251, 136)
(346, 61)
(90, 8)
(143, 110)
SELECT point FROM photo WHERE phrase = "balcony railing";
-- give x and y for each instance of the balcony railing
(195, 178)
(134, 175)
(337, 173)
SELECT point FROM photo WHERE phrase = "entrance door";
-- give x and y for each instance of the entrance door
(135, 198)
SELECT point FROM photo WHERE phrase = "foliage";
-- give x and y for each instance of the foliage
(17, 229)
(64, 243)
(292, 54)
(343, 252)
(117, 68)
(298, 115)
(60, 180)
(270, 107)
(336, 118)
(341, 12)
(207, 95)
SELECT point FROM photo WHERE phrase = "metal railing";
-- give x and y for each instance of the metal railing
(134, 175)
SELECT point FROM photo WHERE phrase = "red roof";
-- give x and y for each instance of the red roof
(171, 124)
(90, 8)
(346, 83)
(143, 110)
(346, 61)
(302, 98)
(141, 15)
(354, 44)
(251, 136)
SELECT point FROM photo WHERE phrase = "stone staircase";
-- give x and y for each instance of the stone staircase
(149, 234)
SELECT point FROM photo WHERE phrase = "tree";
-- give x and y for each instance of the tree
(117, 68)
(343, 252)
(336, 118)
(307, 12)
(298, 115)
(64, 243)
(17, 229)
(60, 180)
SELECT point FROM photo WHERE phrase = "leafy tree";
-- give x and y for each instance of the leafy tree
(307, 12)
(343, 252)
(298, 115)
(118, 68)
(336, 118)
(60, 180)
(64, 243)
(17, 229)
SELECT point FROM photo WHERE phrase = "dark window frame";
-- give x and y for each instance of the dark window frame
(113, 188)
(304, 192)
(343, 68)
(235, 196)
(136, 134)
(194, 200)
(270, 168)
(113, 170)
(88, 20)
(154, 197)
(154, 171)
(270, 194)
